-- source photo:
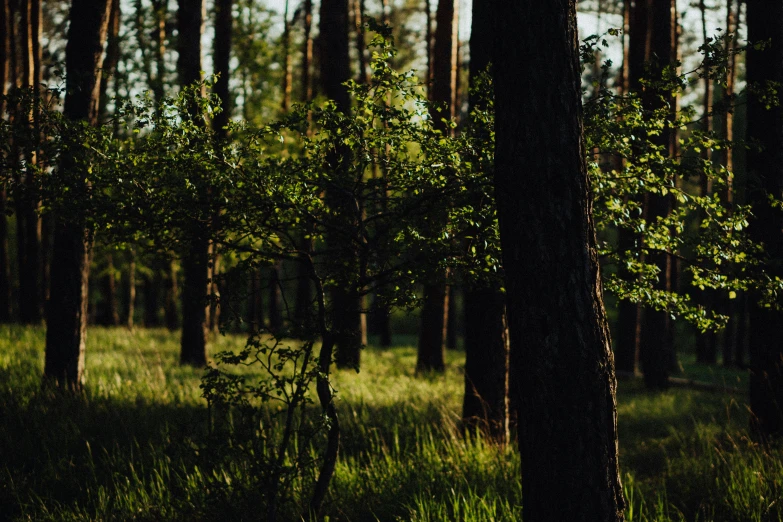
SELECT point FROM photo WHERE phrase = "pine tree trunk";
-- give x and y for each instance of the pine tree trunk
(765, 175)
(195, 261)
(5, 262)
(223, 32)
(485, 401)
(434, 313)
(335, 70)
(67, 318)
(562, 372)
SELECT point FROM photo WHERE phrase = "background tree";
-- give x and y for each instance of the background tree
(67, 317)
(562, 371)
(196, 252)
(486, 341)
(435, 305)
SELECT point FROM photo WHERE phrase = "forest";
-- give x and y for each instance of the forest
(391, 260)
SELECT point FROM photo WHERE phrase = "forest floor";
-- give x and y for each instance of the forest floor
(135, 445)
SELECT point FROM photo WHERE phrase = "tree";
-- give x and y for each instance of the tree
(67, 317)
(562, 371)
(434, 310)
(5, 70)
(335, 70)
(765, 181)
(486, 343)
(196, 254)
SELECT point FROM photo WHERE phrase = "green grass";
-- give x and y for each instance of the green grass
(136, 444)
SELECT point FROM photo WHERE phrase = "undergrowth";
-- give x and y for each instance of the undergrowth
(137, 445)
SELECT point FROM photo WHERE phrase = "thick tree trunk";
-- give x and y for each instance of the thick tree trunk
(434, 312)
(562, 372)
(335, 70)
(67, 318)
(765, 174)
(196, 255)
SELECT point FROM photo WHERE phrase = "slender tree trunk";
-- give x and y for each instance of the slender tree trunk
(223, 32)
(287, 64)
(428, 36)
(361, 45)
(195, 261)
(765, 174)
(107, 314)
(275, 305)
(562, 371)
(452, 324)
(485, 401)
(5, 262)
(434, 312)
(335, 70)
(129, 322)
(303, 304)
(67, 318)
(170, 309)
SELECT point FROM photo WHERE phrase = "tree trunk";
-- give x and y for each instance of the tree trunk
(434, 312)
(5, 262)
(765, 175)
(485, 401)
(287, 67)
(67, 318)
(195, 261)
(223, 30)
(335, 70)
(304, 294)
(562, 372)
(170, 309)
(129, 322)
(107, 314)
(275, 306)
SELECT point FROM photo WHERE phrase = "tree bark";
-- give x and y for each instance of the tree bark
(223, 30)
(765, 174)
(562, 371)
(129, 321)
(485, 401)
(5, 262)
(67, 317)
(434, 312)
(195, 261)
(335, 70)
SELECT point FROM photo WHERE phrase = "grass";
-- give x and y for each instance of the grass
(136, 445)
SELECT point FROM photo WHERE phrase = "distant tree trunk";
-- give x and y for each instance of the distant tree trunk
(196, 256)
(657, 337)
(107, 314)
(765, 174)
(485, 401)
(434, 312)
(562, 372)
(287, 68)
(304, 294)
(255, 315)
(112, 57)
(335, 70)
(170, 309)
(428, 36)
(275, 306)
(129, 322)
(28, 222)
(222, 42)
(67, 318)
(361, 45)
(452, 325)
(151, 287)
(706, 341)
(5, 262)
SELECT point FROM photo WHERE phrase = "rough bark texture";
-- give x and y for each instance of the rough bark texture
(434, 311)
(765, 178)
(335, 70)
(195, 262)
(562, 372)
(67, 314)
